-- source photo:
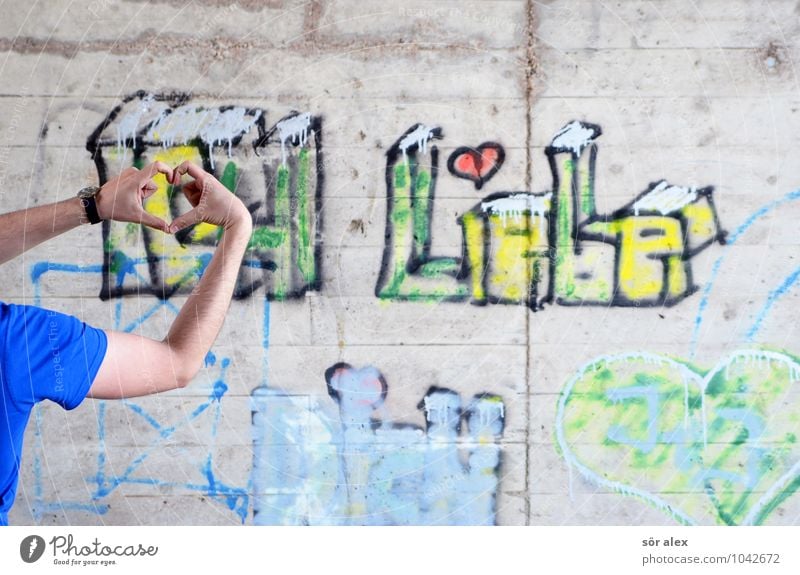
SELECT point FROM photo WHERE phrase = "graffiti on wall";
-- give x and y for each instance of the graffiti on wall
(277, 171)
(342, 462)
(356, 465)
(191, 471)
(538, 248)
(703, 446)
(316, 466)
(641, 424)
(278, 174)
(477, 164)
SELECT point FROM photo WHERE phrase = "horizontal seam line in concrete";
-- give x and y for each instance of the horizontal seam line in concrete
(167, 45)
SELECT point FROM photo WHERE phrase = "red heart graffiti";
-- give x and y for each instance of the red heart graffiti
(477, 164)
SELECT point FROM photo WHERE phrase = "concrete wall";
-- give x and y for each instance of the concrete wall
(515, 262)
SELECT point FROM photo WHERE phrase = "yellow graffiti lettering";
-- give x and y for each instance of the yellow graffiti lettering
(648, 244)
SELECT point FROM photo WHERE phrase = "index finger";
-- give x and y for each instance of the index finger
(193, 170)
(151, 170)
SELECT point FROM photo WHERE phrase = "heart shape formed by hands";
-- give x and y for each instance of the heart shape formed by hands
(477, 164)
(704, 447)
(125, 198)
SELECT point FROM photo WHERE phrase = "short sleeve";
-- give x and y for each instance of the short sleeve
(51, 355)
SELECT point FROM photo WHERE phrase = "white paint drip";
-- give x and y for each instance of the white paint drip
(442, 406)
(758, 358)
(490, 412)
(516, 205)
(665, 199)
(182, 125)
(575, 136)
(293, 130)
(129, 123)
(419, 137)
(211, 125)
(226, 126)
(761, 358)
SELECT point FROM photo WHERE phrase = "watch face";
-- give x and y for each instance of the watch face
(88, 192)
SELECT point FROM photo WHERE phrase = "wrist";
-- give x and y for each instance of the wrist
(88, 199)
(240, 223)
(75, 211)
(239, 231)
(100, 201)
(240, 228)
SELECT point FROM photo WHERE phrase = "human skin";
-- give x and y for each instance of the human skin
(136, 365)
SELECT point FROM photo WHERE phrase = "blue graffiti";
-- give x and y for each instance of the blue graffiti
(650, 394)
(731, 241)
(753, 426)
(106, 479)
(773, 297)
(313, 465)
(686, 437)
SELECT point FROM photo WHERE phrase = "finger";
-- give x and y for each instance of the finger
(148, 188)
(151, 170)
(184, 220)
(193, 170)
(129, 170)
(153, 222)
(148, 185)
(161, 168)
(191, 193)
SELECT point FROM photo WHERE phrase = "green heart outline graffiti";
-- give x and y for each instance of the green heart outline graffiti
(702, 446)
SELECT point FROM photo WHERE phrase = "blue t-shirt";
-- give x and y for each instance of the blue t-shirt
(44, 354)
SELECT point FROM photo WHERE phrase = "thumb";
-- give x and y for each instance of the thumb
(151, 221)
(184, 220)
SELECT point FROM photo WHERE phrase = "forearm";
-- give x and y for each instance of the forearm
(135, 365)
(201, 317)
(24, 229)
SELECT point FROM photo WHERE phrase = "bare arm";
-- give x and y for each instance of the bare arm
(120, 199)
(136, 365)
(24, 229)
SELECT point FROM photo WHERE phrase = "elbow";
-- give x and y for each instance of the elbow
(182, 380)
(185, 372)
(184, 368)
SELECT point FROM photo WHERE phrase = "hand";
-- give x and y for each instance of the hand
(211, 201)
(121, 199)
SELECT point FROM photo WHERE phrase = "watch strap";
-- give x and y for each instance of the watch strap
(90, 206)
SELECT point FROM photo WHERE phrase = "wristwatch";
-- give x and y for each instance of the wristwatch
(89, 204)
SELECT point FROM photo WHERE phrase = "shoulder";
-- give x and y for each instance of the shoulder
(55, 355)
